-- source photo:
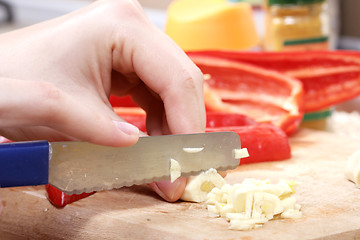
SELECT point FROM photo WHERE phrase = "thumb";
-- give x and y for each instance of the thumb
(43, 104)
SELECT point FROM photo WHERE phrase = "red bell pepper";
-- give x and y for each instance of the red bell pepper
(264, 141)
(219, 119)
(328, 77)
(125, 101)
(264, 95)
(61, 199)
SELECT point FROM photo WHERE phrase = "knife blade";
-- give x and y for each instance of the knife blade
(76, 167)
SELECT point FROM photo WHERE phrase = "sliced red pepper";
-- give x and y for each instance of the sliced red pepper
(220, 119)
(61, 199)
(264, 142)
(328, 77)
(265, 96)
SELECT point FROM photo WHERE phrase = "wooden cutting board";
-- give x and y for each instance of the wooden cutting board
(330, 204)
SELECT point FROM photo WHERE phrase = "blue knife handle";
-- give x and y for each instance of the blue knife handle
(24, 163)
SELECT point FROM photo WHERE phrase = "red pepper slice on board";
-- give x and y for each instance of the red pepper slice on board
(328, 77)
(263, 95)
(264, 142)
(61, 199)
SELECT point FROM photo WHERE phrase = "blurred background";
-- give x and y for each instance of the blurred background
(343, 16)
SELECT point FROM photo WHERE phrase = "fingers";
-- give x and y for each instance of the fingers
(179, 85)
(169, 191)
(42, 104)
(166, 70)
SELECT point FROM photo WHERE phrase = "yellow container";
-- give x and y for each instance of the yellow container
(211, 24)
(293, 25)
(299, 25)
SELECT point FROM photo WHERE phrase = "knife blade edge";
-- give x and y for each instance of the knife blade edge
(103, 187)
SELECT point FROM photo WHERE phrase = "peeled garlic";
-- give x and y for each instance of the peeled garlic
(291, 213)
(352, 169)
(213, 211)
(288, 203)
(266, 204)
(240, 153)
(247, 205)
(242, 200)
(175, 170)
(193, 149)
(198, 187)
(253, 202)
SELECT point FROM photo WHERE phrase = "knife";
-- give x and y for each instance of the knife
(77, 167)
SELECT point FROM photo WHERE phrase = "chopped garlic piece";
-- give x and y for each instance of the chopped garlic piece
(242, 225)
(247, 224)
(198, 187)
(175, 170)
(242, 200)
(267, 204)
(193, 150)
(240, 153)
(226, 209)
(288, 203)
(352, 169)
(213, 211)
(292, 214)
(236, 216)
(253, 202)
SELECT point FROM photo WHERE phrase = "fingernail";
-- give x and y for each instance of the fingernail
(127, 128)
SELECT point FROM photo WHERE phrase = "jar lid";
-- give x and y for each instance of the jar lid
(283, 2)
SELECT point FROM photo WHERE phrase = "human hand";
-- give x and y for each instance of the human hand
(56, 78)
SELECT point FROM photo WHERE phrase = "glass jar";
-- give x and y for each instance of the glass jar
(293, 25)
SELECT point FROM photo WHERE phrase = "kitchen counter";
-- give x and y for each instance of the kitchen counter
(330, 204)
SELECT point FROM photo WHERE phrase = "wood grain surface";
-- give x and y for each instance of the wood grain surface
(330, 204)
